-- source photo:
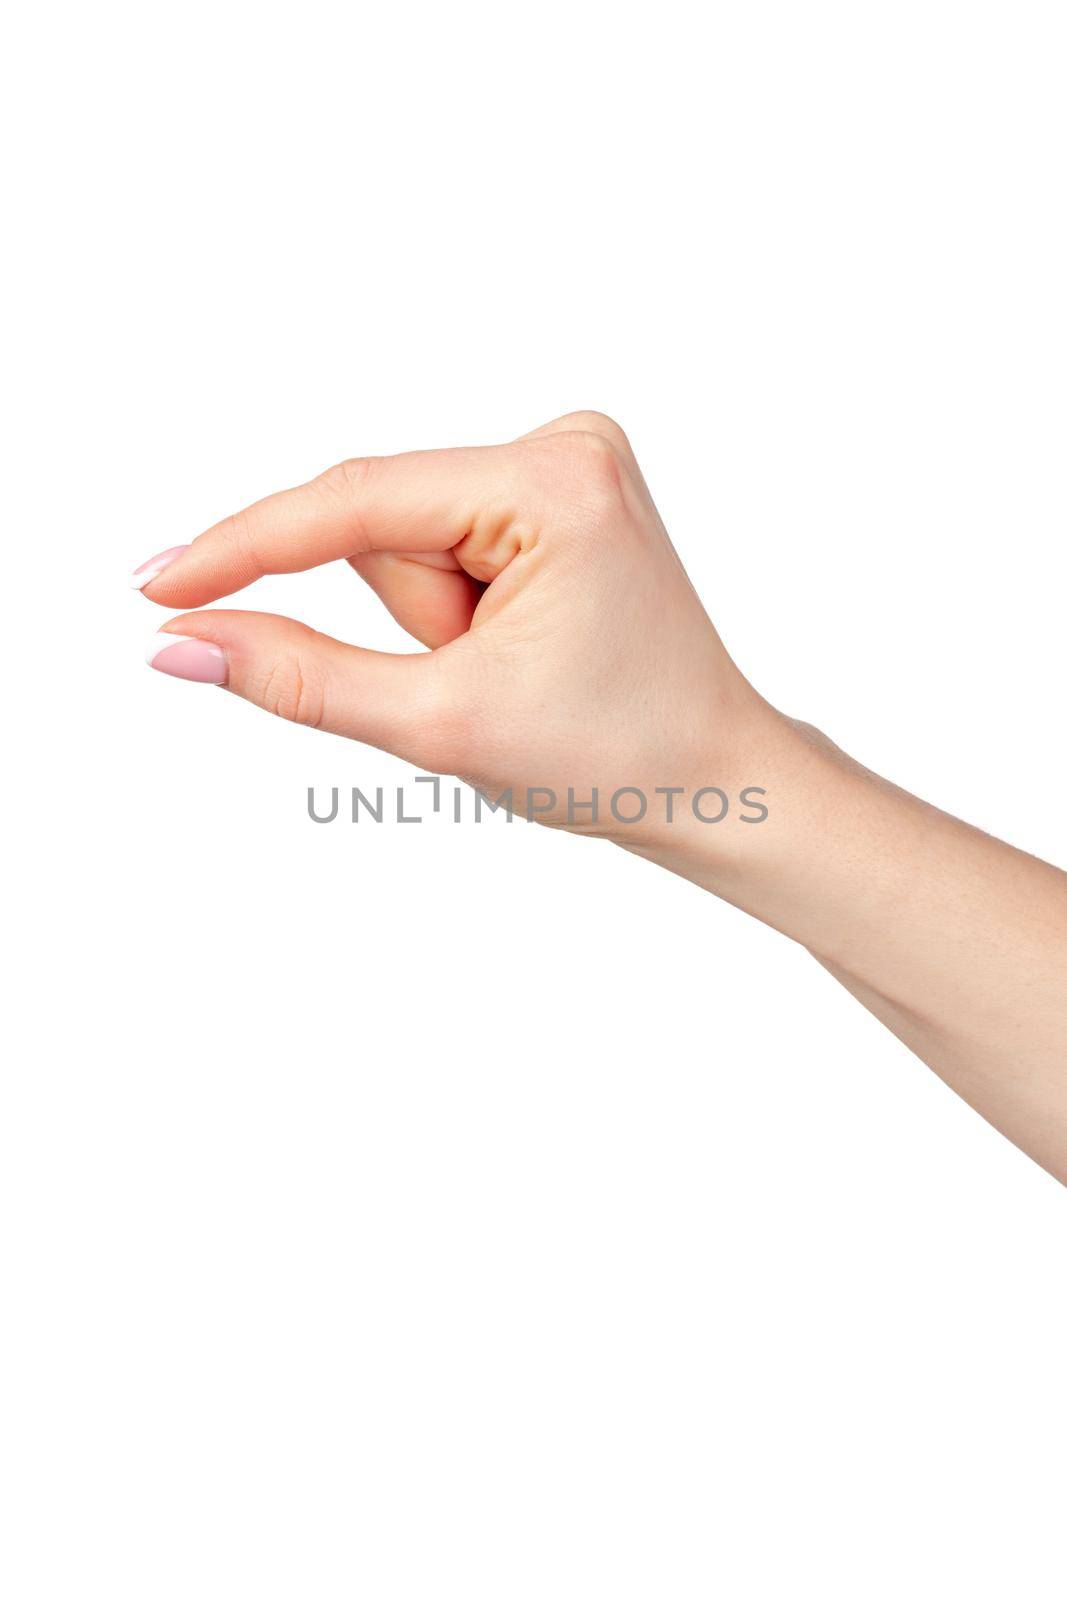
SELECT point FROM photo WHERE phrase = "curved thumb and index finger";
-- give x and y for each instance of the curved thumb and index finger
(391, 701)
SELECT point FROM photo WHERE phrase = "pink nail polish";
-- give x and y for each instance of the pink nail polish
(181, 657)
(154, 566)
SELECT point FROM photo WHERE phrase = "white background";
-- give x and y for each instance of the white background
(441, 1211)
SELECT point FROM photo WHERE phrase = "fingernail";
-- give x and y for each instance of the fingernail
(181, 657)
(154, 566)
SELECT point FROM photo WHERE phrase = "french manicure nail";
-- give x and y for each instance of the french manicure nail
(154, 566)
(181, 657)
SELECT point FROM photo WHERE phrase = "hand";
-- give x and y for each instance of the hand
(568, 650)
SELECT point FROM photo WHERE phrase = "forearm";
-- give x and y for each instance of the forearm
(956, 941)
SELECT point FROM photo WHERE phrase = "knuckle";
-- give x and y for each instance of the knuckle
(584, 468)
(345, 479)
(600, 471)
(598, 422)
(341, 490)
(293, 691)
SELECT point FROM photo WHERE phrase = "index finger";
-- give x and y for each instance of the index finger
(424, 500)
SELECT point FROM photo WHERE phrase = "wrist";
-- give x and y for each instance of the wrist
(789, 788)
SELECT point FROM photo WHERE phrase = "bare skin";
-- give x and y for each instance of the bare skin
(569, 652)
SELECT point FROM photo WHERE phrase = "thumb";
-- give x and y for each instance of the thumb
(307, 677)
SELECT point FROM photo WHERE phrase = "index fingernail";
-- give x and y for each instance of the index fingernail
(154, 566)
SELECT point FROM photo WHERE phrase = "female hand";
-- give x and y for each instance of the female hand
(569, 654)
(568, 651)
